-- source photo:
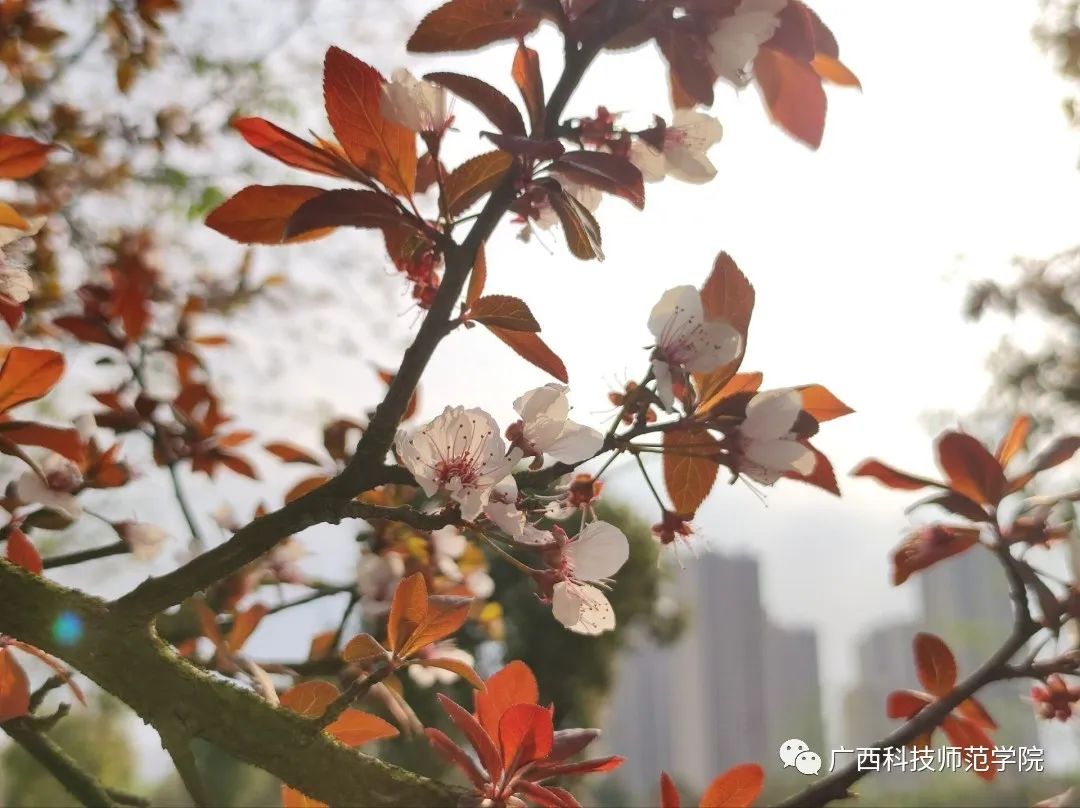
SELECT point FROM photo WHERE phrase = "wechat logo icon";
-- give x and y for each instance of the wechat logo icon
(797, 753)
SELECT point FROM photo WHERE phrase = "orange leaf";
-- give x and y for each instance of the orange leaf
(669, 796)
(244, 625)
(934, 664)
(208, 623)
(22, 553)
(469, 24)
(353, 94)
(580, 226)
(823, 476)
(526, 75)
(973, 711)
(14, 687)
(444, 616)
(793, 95)
(525, 734)
(474, 178)
(970, 469)
(720, 385)
(892, 478)
(929, 545)
(727, 295)
(66, 442)
(259, 214)
(513, 684)
(1014, 440)
(835, 71)
(355, 728)
(738, 787)
(503, 311)
(291, 453)
(322, 645)
(27, 374)
(9, 217)
(458, 667)
(363, 648)
(305, 487)
(531, 348)
(905, 704)
(821, 404)
(309, 699)
(291, 798)
(408, 611)
(969, 737)
(287, 147)
(21, 157)
(690, 467)
(478, 278)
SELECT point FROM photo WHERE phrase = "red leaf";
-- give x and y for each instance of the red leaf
(290, 453)
(905, 704)
(1014, 440)
(445, 615)
(481, 741)
(569, 742)
(503, 311)
(929, 545)
(309, 699)
(1053, 455)
(21, 157)
(531, 348)
(581, 228)
(793, 95)
(22, 553)
(14, 688)
(363, 648)
(608, 172)
(469, 24)
(526, 75)
(525, 734)
(934, 664)
(353, 94)
(738, 787)
(823, 476)
(727, 295)
(287, 147)
(408, 610)
(669, 795)
(244, 626)
(28, 374)
(89, 329)
(473, 179)
(449, 750)
(66, 442)
(259, 214)
(970, 469)
(344, 208)
(499, 109)
(513, 684)
(690, 467)
(892, 478)
(969, 737)
(531, 148)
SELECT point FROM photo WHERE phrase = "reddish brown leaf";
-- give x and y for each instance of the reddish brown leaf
(486, 750)
(344, 207)
(363, 648)
(499, 109)
(514, 683)
(531, 348)
(469, 24)
(89, 330)
(503, 311)
(355, 728)
(525, 734)
(244, 626)
(309, 699)
(969, 737)
(458, 667)
(608, 172)
(14, 688)
(287, 147)
(795, 35)
(291, 453)
(526, 75)
(353, 95)
(690, 467)
(904, 704)
(473, 179)
(535, 149)
(259, 214)
(478, 278)
(973, 711)
(823, 476)
(581, 228)
(22, 553)
(65, 442)
(28, 374)
(21, 157)
(929, 545)
(408, 610)
(934, 664)
(892, 478)
(669, 795)
(793, 95)
(720, 385)
(822, 405)
(738, 787)
(958, 504)
(727, 295)
(305, 487)
(970, 469)
(445, 615)
(1014, 440)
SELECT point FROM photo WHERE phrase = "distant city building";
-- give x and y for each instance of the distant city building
(729, 691)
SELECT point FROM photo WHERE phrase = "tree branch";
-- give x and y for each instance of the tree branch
(121, 654)
(68, 559)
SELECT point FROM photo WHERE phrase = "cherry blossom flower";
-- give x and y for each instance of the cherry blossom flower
(672, 526)
(580, 494)
(145, 540)
(55, 491)
(546, 428)
(679, 150)
(686, 342)
(502, 509)
(414, 103)
(764, 445)
(377, 576)
(15, 246)
(591, 557)
(449, 545)
(460, 454)
(736, 41)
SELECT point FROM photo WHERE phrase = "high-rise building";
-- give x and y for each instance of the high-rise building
(723, 694)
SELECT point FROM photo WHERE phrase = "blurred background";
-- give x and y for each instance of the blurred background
(922, 264)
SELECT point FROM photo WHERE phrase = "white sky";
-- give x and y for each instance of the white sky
(955, 158)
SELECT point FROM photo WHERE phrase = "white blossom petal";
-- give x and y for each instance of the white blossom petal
(598, 551)
(649, 161)
(576, 443)
(737, 39)
(582, 608)
(771, 414)
(780, 455)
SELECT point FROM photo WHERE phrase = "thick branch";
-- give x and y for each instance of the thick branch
(123, 656)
